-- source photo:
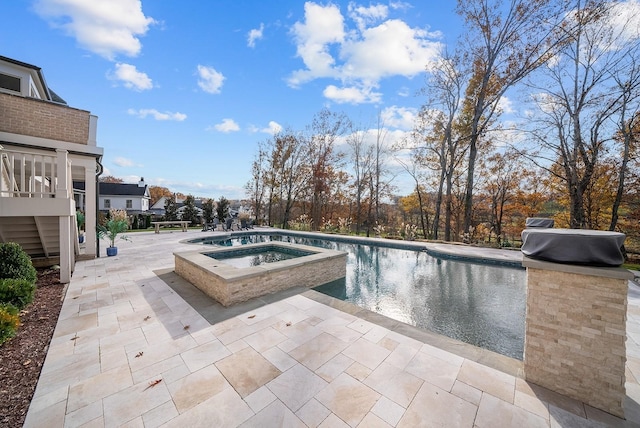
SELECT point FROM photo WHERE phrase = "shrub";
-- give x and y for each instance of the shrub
(18, 292)
(15, 263)
(9, 322)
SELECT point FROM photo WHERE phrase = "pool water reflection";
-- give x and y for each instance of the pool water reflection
(480, 304)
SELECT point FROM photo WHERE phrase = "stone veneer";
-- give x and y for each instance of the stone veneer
(229, 285)
(576, 331)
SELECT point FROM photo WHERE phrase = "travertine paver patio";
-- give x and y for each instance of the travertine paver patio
(128, 350)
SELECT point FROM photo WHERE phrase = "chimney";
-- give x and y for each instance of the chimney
(141, 182)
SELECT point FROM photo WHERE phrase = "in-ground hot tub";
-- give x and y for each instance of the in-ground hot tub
(232, 275)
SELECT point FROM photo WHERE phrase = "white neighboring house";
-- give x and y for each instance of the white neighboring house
(45, 145)
(134, 198)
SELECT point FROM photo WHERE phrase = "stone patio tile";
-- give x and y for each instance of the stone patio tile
(265, 339)
(388, 411)
(394, 384)
(275, 414)
(42, 401)
(332, 421)
(225, 409)
(134, 401)
(197, 387)
(349, 399)
(157, 352)
(332, 368)
(245, 330)
(260, 398)
(83, 415)
(433, 370)
(279, 358)
(96, 423)
(301, 332)
(367, 353)
(494, 412)
(562, 401)
(292, 315)
(236, 346)
(445, 356)
(342, 332)
(435, 407)
(48, 416)
(313, 413)
(376, 334)
(401, 355)
(358, 371)
(159, 415)
(486, 379)
(203, 355)
(81, 367)
(373, 421)
(361, 325)
(247, 371)
(157, 369)
(302, 302)
(76, 324)
(162, 331)
(318, 350)
(98, 387)
(122, 339)
(607, 419)
(466, 392)
(388, 343)
(532, 404)
(296, 386)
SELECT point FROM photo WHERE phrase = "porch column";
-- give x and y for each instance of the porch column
(90, 208)
(65, 249)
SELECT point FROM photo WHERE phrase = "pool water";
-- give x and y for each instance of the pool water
(480, 304)
(257, 256)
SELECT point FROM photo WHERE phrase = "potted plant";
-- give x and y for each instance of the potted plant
(112, 228)
(80, 220)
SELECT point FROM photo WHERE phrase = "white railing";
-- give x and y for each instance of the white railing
(34, 175)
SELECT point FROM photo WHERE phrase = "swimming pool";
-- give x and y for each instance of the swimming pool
(480, 304)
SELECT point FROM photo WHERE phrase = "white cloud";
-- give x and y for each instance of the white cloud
(352, 95)
(359, 57)
(123, 162)
(210, 80)
(505, 105)
(227, 125)
(105, 27)
(365, 16)
(273, 128)
(157, 115)
(399, 117)
(253, 35)
(130, 77)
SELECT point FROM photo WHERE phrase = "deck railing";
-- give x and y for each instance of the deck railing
(28, 174)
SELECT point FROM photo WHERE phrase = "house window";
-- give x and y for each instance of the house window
(129, 204)
(107, 203)
(11, 83)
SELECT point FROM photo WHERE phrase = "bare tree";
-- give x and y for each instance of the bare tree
(582, 93)
(505, 42)
(361, 161)
(324, 160)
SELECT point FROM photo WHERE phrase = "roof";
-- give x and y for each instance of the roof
(50, 95)
(116, 189)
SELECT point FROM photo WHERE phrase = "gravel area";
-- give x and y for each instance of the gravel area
(22, 357)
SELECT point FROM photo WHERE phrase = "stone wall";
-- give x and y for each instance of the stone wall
(576, 331)
(230, 285)
(38, 118)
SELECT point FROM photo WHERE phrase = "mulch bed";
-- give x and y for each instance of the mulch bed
(22, 357)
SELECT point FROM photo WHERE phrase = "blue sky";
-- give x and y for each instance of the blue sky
(185, 90)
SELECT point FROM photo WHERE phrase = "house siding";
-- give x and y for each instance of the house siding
(37, 118)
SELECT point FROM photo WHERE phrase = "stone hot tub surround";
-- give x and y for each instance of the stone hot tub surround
(576, 330)
(229, 285)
